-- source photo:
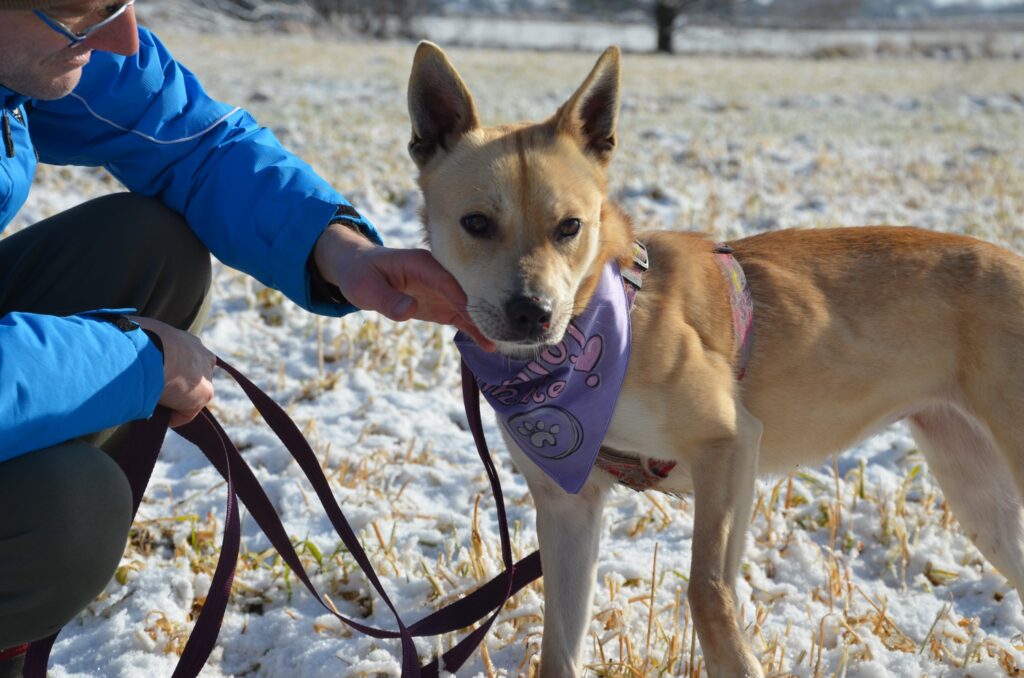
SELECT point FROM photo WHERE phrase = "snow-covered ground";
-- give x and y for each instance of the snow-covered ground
(854, 569)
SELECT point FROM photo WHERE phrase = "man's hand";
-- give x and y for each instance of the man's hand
(398, 283)
(188, 371)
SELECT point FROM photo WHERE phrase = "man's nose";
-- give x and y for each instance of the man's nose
(121, 36)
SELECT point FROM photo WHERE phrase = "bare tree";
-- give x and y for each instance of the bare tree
(667, 12)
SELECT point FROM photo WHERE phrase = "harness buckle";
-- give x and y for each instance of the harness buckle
(632, 277)
(640, 257)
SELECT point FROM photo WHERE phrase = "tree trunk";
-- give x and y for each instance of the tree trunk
(665, 13)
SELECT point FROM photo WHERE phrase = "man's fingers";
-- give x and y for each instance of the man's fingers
(186, 402)
(475, 334)
(376, 291)
(434, 278)
(451, 290)
(182, 418)
(195, 402)
(205, 393)
(406, 284)
(188, 371)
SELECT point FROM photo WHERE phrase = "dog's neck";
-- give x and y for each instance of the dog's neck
(616, 245)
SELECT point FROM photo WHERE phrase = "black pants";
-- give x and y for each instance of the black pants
(65, 510)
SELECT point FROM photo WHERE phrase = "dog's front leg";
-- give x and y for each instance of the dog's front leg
(569, 532)
(723, 480)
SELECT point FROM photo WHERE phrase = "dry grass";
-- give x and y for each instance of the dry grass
(641, 625)
(725, 145)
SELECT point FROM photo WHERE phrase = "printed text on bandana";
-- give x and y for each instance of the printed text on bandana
(551, 431)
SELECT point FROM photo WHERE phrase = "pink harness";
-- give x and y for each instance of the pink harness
(644, 473)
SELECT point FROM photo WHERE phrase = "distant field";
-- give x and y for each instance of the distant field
(854, 569)
(729, 145)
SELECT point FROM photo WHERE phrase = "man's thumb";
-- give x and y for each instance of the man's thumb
(399, 306)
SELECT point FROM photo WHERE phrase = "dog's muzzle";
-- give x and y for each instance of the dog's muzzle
(528, 318)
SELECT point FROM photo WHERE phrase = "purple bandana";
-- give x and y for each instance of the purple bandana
(558, 406)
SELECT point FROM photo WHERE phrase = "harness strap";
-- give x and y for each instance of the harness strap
(206, 433)
(644, 473)
(740, 300)
(742, 306)
(633, 277)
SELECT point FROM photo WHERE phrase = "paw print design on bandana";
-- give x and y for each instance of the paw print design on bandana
(539, 436)
(550, 432)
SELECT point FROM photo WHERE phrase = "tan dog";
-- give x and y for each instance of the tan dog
(855, 328)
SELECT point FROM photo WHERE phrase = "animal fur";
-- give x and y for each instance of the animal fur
(854, 328)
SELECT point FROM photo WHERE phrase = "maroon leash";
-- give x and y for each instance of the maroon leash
(206, 433)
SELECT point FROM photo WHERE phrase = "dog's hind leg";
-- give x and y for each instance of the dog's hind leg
(569, 532)
(977, 484)
(723, 480)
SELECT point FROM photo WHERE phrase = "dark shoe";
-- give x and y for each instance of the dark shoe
(12, 661)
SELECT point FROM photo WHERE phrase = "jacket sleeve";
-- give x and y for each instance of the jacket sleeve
(146, 119)
(63, 377)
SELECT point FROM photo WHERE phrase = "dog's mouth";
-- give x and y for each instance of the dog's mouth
(524, 350)
(523, 327)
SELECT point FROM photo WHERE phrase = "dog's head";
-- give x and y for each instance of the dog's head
(518, 213)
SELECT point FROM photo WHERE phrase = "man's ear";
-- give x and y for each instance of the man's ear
(440, 106)
(591, 114)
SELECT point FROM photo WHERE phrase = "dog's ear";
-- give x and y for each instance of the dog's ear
(440, 106)
(591, 113)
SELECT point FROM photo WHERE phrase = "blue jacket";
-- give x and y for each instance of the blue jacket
(146, 120)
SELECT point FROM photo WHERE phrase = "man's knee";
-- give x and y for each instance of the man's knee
(162, 239)
(118, 251)
(157, 229)
(65, 513)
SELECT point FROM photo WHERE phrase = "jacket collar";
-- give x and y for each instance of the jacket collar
(9, 99)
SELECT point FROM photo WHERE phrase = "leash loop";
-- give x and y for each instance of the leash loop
(145, 440)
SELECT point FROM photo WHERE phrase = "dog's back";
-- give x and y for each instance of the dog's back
(875, 321)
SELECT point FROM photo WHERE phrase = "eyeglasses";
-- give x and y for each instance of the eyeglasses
(78, 37)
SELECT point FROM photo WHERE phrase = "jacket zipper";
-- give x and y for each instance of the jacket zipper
(8, 139)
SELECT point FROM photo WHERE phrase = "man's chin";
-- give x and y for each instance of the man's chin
(60, 86)
(58, 75)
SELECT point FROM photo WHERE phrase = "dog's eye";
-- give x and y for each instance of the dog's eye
(476, 224)
(569, 228)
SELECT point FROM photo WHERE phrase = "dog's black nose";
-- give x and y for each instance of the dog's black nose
(529, 317)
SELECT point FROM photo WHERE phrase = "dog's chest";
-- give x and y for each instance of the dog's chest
(636, 454)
